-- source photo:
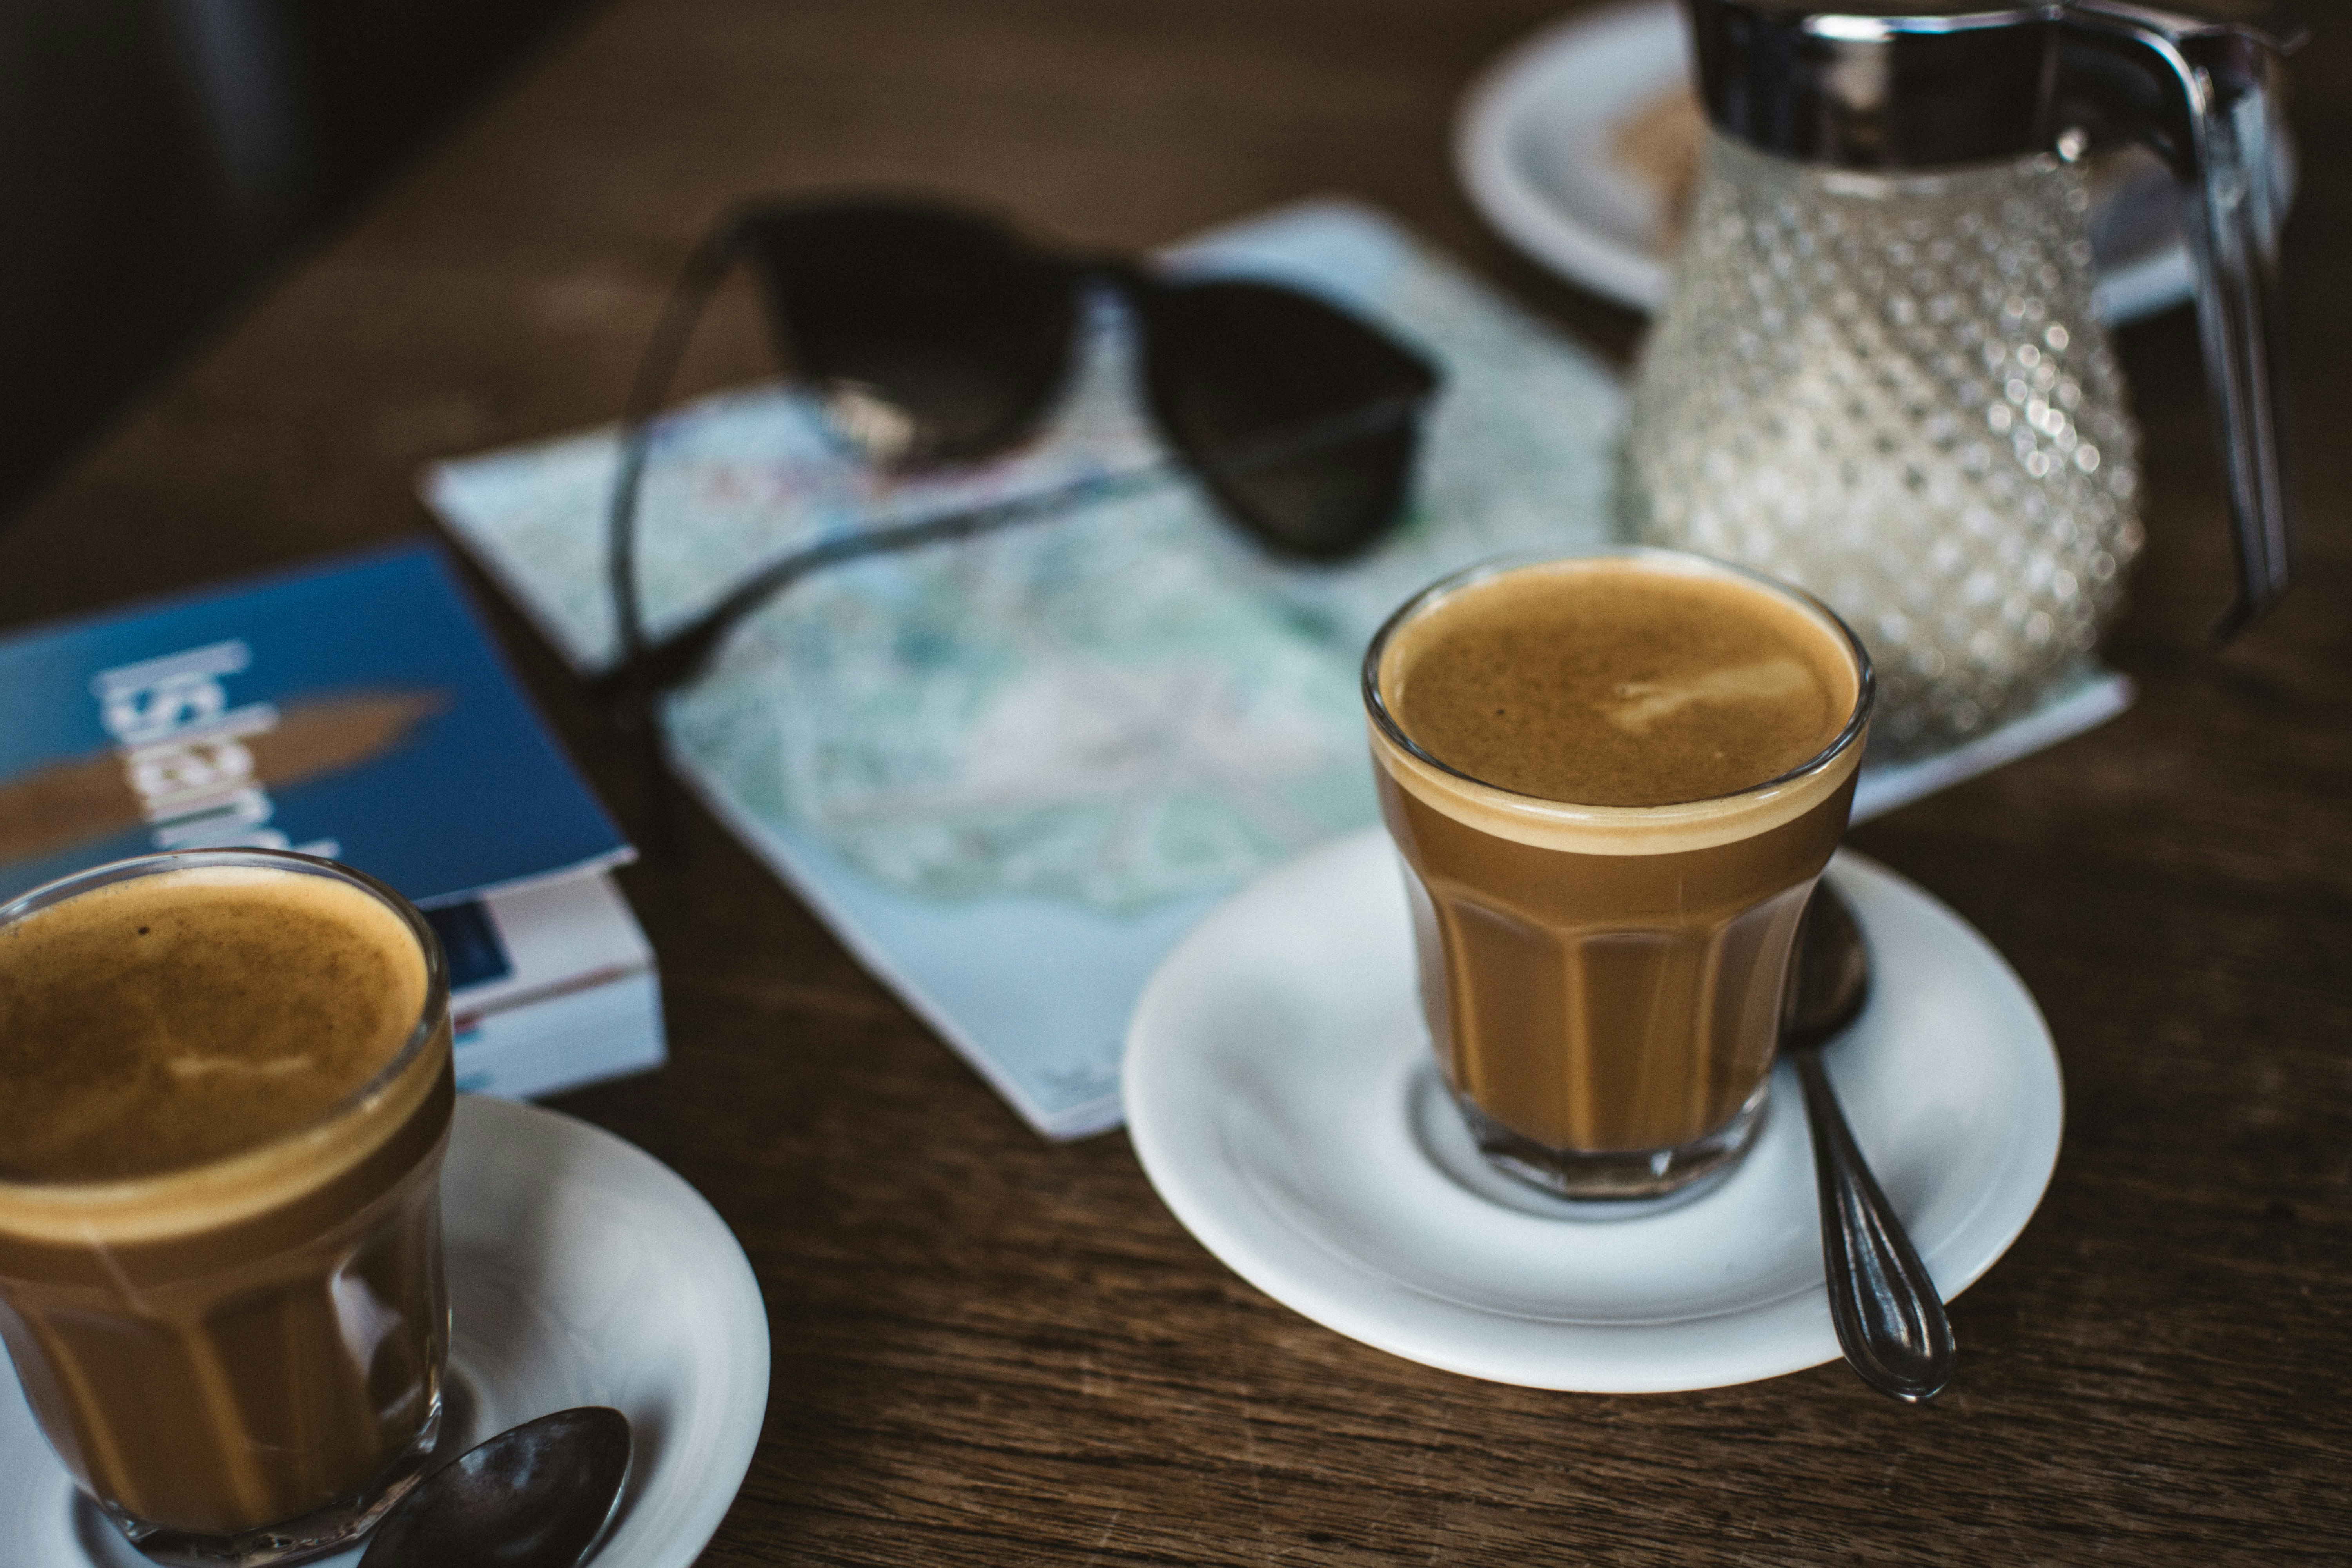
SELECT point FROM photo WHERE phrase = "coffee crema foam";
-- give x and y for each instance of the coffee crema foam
(173, 1049)
(1618, 706)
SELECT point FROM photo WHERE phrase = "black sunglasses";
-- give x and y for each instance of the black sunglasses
(937, 335)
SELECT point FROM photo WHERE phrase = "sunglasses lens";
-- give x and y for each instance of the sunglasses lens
(1301, 419)
(946, 321)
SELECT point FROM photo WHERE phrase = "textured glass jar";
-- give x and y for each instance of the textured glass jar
(1891, 390)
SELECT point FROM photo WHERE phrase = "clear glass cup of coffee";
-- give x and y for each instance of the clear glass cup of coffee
(1613, 780)
(225, 1096)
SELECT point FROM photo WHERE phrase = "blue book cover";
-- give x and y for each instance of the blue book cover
(354, 708)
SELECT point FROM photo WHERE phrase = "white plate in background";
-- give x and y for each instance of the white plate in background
(1533, 145)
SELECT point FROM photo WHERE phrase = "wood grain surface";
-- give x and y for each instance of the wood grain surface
(991, 1351)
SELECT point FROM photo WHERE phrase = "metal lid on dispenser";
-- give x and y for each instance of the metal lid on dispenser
(1918, 84)
(1884, 86)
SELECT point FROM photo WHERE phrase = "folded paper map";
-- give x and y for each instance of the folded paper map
(1013, 770)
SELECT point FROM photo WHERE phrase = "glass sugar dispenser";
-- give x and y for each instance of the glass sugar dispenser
(1878, 374)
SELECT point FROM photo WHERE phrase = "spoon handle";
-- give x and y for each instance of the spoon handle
(1890, 1319)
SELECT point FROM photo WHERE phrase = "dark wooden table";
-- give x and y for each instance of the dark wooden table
(989, 1350)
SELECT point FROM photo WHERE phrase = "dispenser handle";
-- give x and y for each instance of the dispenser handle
(2199, 92)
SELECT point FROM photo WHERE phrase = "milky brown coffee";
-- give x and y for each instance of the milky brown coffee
(1614, 781)
(223, 1095)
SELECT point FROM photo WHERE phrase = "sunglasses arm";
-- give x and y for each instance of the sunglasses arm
(705, 269)
(681, 657)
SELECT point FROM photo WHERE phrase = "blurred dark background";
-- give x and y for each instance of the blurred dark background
(159, 158)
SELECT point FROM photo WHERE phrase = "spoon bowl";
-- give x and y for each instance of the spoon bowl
(536, 1496)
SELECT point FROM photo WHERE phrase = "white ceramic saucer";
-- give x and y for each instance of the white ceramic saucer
(1532, 146)
(582, 1271)
(1283, 1097)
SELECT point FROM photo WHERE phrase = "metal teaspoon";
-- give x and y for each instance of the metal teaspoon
(1890, 1319)
(535, 1495)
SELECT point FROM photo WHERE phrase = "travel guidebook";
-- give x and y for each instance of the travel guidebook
(1013, 770)
(353, 709)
